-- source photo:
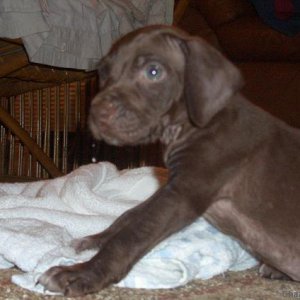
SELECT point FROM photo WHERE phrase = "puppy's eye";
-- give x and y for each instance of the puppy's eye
(154, 72)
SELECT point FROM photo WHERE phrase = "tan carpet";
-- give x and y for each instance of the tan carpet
(232, 285)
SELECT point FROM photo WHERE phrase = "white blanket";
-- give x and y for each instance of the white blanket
(38, 220)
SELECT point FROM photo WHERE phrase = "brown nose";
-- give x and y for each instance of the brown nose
(104, 112)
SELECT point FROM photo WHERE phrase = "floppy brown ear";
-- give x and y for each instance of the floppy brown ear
(210, 81)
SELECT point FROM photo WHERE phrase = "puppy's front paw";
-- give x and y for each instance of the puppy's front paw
(71, 281)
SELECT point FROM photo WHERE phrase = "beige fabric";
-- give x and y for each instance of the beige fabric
(76, 33)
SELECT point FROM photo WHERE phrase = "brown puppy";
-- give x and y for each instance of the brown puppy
(228, 160)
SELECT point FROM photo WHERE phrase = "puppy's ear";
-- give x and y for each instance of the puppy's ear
(210, 81)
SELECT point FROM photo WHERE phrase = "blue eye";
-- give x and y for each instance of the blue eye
(153, 72)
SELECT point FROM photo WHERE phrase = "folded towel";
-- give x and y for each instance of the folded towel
(38, 220)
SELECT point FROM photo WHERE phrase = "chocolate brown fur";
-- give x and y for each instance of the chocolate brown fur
(229, 161)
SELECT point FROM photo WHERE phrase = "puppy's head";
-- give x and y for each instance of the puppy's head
(153, 75)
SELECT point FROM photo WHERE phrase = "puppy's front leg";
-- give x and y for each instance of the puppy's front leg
(131, 236)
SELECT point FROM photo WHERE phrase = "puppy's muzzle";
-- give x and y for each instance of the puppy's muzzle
(104, 112)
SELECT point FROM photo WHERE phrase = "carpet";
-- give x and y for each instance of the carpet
(230, 285)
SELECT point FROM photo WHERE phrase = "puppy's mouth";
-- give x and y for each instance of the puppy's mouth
(120, 132)
(122, 138)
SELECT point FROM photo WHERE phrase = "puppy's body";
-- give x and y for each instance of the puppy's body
(228, 160)
(259, 203)
(250, 164)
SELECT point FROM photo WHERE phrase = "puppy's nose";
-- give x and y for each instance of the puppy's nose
(107, 110)
(104, 112)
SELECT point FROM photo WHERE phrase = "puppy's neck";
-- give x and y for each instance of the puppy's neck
(171, 133)
(173, 124)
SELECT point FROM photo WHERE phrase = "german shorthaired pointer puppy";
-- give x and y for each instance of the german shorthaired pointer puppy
(228, 160)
